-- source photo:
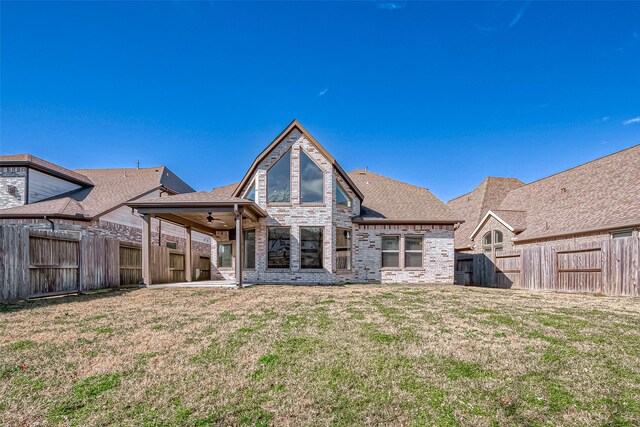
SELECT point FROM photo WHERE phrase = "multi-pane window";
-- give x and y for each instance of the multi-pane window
(341, 196)
(413, 251)
(311, 247)
(311, 180)
(278, 247)
(249, 245)
(251, 194)
(343, 249)
(279, 180)
(492, 242)
(390, 251)
(224, 255)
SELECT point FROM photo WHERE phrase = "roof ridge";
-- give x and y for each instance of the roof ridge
(580, 165)
(396, 180)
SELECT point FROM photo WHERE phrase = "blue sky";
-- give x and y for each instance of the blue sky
(436, 94)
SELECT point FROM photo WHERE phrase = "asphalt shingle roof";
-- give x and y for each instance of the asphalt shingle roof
(391, 200)
(110, 189)
(473, 206)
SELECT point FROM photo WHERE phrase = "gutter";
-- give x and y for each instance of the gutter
(583, 231)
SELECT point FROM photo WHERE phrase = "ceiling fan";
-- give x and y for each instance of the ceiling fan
(212, 219)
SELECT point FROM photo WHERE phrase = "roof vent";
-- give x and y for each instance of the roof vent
(563, 190)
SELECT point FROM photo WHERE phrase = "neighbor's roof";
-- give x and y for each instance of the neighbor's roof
(387, 200)
(295, 124)
(111, 189)
(472, 207)
(45, 166)
(601, 194)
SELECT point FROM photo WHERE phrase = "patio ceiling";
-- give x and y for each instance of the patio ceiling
(192, 210)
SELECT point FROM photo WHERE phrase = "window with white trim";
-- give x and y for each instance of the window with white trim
(413, 251)
(492, 242)
(390, 251)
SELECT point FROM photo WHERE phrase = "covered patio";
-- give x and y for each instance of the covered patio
(203, 212)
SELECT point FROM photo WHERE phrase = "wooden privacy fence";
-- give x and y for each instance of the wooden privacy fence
(610, 267)
(36, 262)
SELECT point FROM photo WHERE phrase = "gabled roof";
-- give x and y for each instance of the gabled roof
(471, 207)
(226, 190)
(387, 200)
(111, 188)
(602, 194)
(37, 163)
(265, 153)
(514, 220)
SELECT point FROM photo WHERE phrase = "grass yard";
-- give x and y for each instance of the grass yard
(354, 355)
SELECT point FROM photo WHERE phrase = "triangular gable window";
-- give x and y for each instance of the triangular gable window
(341, 196)
(251, 194)
(279, 180)
(311, 180)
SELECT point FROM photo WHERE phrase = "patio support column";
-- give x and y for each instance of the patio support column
(146, 249)
(187, 255)
(238, 212)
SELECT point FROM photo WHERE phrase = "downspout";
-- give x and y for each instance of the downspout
(53, 225)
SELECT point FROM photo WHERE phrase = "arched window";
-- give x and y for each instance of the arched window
(279, 180)
(492, 241)
(311, 180)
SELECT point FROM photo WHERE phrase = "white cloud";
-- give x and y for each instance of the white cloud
(323, 91)
(390, 5)
(631, 121)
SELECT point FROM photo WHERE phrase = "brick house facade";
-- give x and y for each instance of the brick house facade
(356, 214)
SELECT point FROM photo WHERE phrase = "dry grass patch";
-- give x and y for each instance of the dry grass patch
(353, 355)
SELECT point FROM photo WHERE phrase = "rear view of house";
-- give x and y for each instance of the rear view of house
(298, 217)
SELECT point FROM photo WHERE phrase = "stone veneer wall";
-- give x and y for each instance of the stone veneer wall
(16, 177)
(366, 240)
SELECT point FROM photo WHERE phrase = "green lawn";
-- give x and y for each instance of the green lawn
(353, 355)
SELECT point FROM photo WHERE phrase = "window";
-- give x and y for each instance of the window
(341, 196)
(311, 247)
(486, 240)
(278, 249)
(249, 245)
(343, 249)
(172, 245)
(492, 242)
(621, 234)
(413, 251)
(251, 194)
(279, 180)
(390, 251)
(224, 255)
(311, 180)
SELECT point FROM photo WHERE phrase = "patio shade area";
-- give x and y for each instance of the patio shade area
(200, 211)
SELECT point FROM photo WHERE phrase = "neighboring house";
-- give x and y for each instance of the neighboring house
(584, 207)
(45, 195)
(298, 217)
